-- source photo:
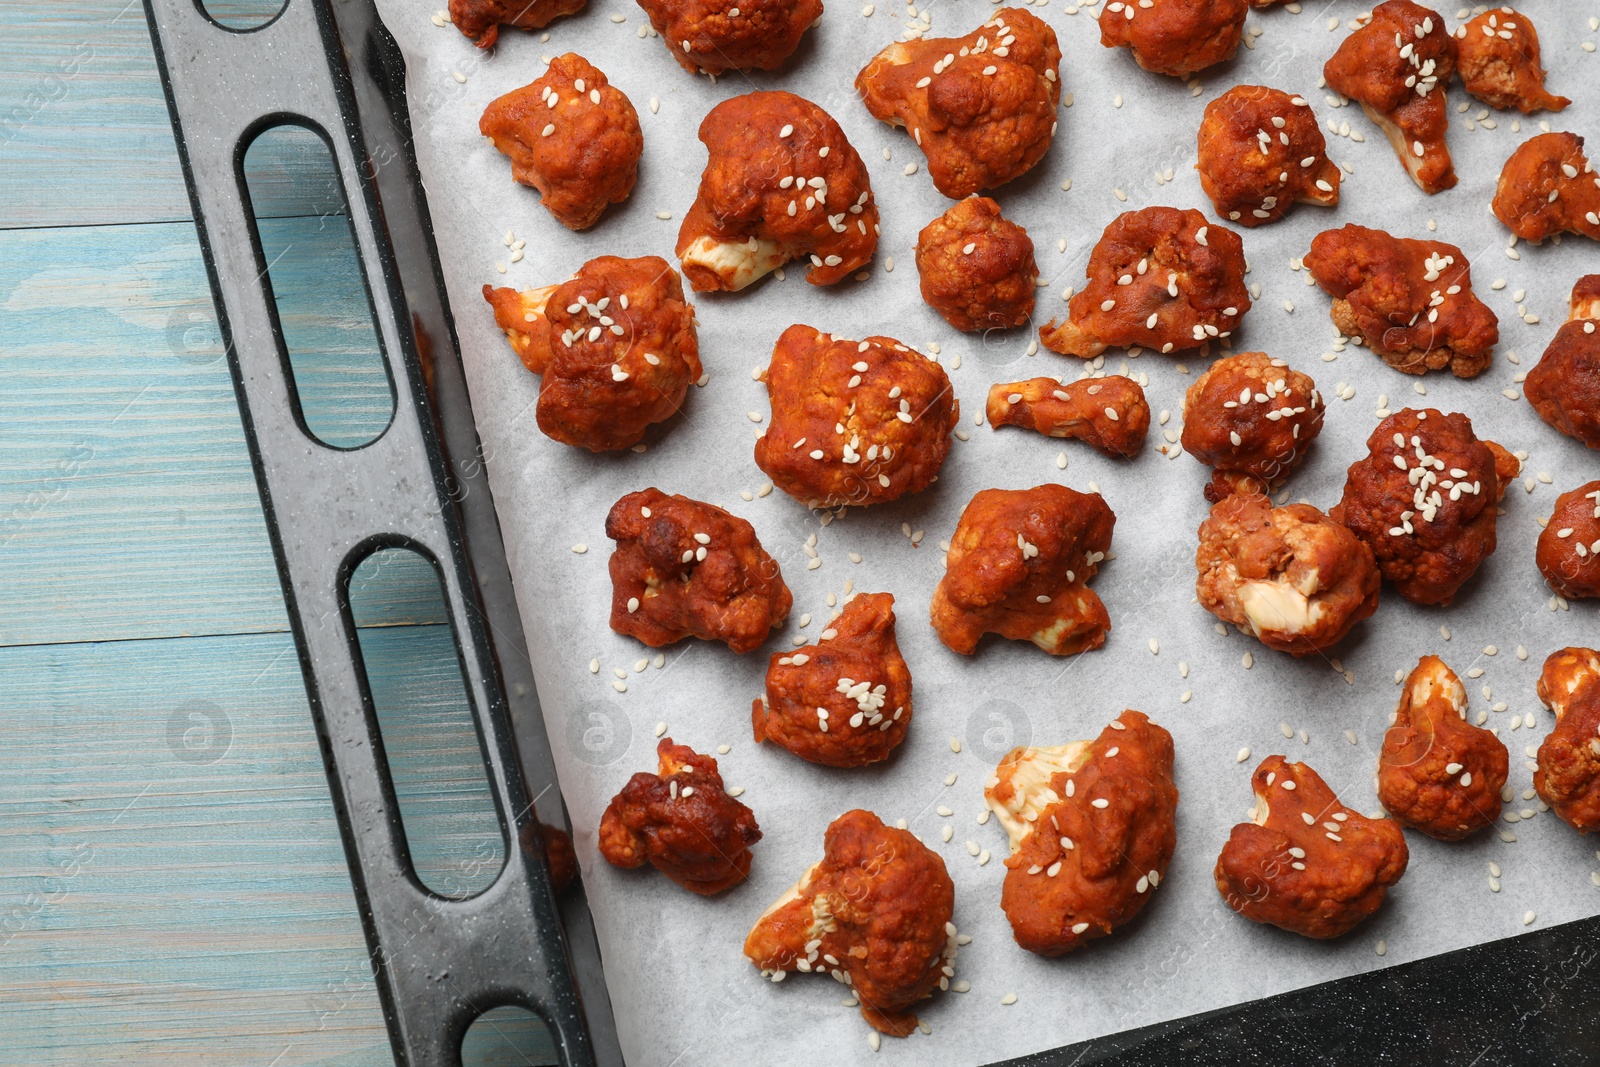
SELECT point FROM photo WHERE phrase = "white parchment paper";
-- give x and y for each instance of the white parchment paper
(682, 991)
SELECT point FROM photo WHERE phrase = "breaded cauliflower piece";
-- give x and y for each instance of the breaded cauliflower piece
(1252, 414)
(781, 182)
(1019, 566)
(853, 422)
(683, 568)
(1497, 56)
(480, 20)
(1175, 38)
(1261, 152)
(1411, 301)
(1396, 67)
(1093, 826)
(846, 700)
(1424, 500)
(1564, 388)
(1307, 863)
(1294, 578)
(1568, 778)
(716, 36)
(875, 913)
(615, 347)
(1437, 772)
(682, 822)
(1569, 546)
(1160, 278)
(1108, 414)
(573, 136)
(976, 267)
(1548, 186)
(981, 107)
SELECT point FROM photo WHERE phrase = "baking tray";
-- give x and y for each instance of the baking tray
(333, 68)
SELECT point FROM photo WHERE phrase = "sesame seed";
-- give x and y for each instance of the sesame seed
(955, 744)
(1244, 754)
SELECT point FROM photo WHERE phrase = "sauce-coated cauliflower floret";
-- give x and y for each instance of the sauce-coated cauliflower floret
(1251, 414)
(480, 20)
(853, 422)
(1261, 151)
(1564, 388)
(683, 568)
(1396, 67)
(1306, 863)
(981, 107)
(1411, 301)
(573, 136)
(713, 36)
(1160, 278)
(1291, 576)
(976, 267)
(1437, 772)
(682, 822)
(1569, 545)
(875, 913)
(1424, 500)
(614, 346)
(1497, 56)
(781, 182)
(1109, 414)
(1548, 186)
(846, 700)
(1568, 778)
(1019, 565)
(1093, 825)
(1176, 37)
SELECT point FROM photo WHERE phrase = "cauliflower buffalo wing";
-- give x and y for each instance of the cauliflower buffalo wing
(1093, 825)
(615, 347)
(1291, 576)
(713, 36)
(682, 822)
(853, 422)
(1410, 301)
(573, 136)
(1176, 37)
(846, 700)
(1548, 186)
(1424, 500)
(874, 913)
(981, 107)
(1307, 863)
(480, 20)
(977, 267)
(1569, 545)
(1251, 414)
(1564, 388)
(1497, 56)
(1396, 67)
(1108, 414)
(1160, 278)
(781, 182)
(1261, 151)
(683, 568)
(1568, 778)
(1437, 772)
(1019, 566)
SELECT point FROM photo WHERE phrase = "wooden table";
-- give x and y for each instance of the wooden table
(172, 885)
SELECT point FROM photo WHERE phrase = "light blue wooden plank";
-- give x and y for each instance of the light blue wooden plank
(85, 137)
(128, 507)
(172, 887)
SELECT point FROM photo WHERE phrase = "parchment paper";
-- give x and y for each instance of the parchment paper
(683, 992)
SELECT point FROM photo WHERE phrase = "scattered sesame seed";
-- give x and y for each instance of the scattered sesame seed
(1244, 754)
(955, 744)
